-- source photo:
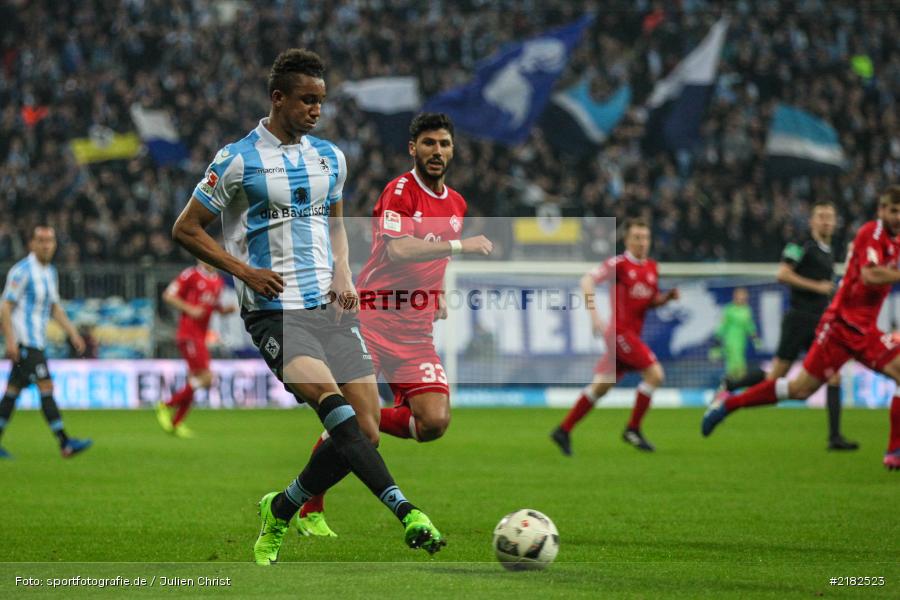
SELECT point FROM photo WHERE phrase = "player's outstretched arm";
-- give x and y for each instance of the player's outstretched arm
(190, 232)
(410, 249)
(878, 275)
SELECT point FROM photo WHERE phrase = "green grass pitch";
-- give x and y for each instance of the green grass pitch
(760, 509)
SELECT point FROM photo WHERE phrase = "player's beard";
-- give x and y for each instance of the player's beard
(45, 256)
(422, 169)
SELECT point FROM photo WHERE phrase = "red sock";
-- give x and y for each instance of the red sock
(395, 421)
(894, 441)
(185, 394)
(582, 407)
(316, 503)
(758, 395)
(183, 407)
(641, 404)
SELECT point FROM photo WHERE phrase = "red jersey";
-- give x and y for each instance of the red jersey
(199, 287)
(405, 293)
(856, 303)
(635, 287)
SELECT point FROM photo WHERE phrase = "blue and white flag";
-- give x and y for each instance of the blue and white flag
(390, 102)
(679, 100)
(157, 132)
(576, 124)
(800, 144)
(511, 88)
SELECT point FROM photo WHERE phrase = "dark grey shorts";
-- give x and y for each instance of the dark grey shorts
(31, 368)
(281, 336)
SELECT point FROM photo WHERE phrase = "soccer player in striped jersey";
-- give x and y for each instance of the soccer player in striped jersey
(30, 299)
(278, 192)
(634, 289)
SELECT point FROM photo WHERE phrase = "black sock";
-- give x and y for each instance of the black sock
(283, 508)
(325, 468)
(833, 396)
(54, 419)
(7, 405)
(753, 376)
(360, 454)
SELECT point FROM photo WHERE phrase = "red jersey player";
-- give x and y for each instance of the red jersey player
(416, 228)
(846, 330)
(195, 293)
(634, 289)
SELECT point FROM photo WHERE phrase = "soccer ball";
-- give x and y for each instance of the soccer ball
(526, 539)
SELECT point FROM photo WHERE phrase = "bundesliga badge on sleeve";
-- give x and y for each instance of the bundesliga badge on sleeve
(391, 221)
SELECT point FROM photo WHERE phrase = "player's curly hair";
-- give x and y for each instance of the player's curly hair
(294, 61)
(429, 122)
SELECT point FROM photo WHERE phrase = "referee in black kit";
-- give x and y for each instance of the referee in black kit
(808, 268)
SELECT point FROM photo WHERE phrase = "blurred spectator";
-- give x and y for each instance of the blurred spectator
(68, 67)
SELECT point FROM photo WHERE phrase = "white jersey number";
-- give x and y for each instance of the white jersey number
(362, 342)
(433, 372)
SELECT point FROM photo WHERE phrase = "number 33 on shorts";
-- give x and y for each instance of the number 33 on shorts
(433, 372)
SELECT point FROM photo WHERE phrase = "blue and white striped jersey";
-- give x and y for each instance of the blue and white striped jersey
(34, 288)
(275, 200)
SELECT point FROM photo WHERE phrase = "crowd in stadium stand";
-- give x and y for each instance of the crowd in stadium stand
(68, 67)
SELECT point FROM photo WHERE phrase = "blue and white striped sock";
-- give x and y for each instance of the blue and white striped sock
(394, 499)
(296, 494)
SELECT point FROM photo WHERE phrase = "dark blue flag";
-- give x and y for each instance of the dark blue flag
(511, 88)
(389, 102)
(679, 100)
(157, 131)
(576, 124)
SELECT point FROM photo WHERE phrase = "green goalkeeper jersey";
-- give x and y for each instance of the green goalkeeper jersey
(736, 328)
